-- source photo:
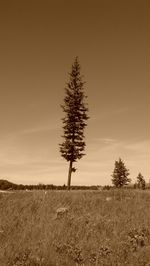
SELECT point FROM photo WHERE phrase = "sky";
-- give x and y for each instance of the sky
(39, 40)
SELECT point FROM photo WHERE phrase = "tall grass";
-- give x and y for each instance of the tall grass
(100, 228)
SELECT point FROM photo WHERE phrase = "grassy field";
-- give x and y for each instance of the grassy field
(100, 228)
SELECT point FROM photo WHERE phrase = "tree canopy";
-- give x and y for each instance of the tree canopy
(120, 174)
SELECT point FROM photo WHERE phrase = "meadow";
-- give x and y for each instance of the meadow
(106, 228)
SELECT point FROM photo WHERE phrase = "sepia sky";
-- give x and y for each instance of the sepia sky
(39, 40)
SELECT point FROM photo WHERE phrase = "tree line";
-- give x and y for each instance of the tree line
(6, 185)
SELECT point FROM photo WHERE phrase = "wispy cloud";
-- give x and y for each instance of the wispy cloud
(140, 146)
(104, 140)
(109, 113)
(39, 129)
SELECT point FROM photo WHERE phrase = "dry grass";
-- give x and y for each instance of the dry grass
(100, 228)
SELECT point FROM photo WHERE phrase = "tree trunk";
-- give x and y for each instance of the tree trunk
(69, 175)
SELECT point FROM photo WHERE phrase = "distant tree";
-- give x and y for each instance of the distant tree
(4, 185)
(107, 187)
(120, 174)
(74, 122)
(141, 181)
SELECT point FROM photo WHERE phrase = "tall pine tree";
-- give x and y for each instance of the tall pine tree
(74, 122)
(120, 174)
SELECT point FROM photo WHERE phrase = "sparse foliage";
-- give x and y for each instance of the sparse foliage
(141, 181)
(120, 174)
(74, 122)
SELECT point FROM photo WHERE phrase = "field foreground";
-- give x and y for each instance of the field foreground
(98, 228)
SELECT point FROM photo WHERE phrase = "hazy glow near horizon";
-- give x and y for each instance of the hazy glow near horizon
(39, 41)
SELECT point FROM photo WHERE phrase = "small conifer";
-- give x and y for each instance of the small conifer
(120, 174)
